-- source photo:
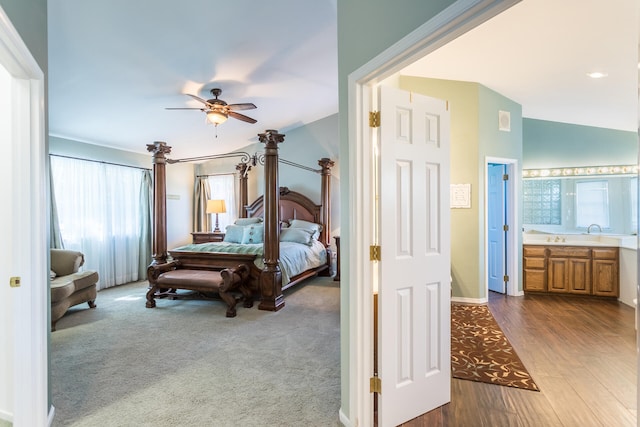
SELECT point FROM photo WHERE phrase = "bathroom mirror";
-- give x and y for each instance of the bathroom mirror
(581, 204)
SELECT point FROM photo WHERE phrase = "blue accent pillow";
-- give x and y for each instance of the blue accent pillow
(253, 234)
(247, 221)
(234, 234)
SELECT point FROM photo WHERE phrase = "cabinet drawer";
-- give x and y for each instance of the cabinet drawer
(569, 251)
(533, 251)
(530, 262)
(605, 253)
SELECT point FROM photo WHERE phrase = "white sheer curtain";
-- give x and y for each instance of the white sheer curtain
(100, 215)
(223, 187)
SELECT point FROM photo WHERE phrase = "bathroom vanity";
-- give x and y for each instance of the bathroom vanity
(578, 264)
(581, 270)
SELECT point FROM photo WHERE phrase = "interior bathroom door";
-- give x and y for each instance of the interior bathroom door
(496, 223)
(415, 291)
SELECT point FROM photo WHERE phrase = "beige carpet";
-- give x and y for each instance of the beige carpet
(481, 352)
(184, 363)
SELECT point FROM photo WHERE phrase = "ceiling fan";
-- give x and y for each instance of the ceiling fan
(218, 110)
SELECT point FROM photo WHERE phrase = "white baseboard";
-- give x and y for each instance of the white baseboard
(344, 419)
(469, 300)
(52, 413)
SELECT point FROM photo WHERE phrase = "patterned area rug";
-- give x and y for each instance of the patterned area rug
(481, 352)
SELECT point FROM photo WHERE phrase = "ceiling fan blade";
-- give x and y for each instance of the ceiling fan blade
(241, 117)
(245, 106)
(204, 101)
(184, 108)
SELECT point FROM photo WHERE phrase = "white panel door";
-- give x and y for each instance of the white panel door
(414, 299)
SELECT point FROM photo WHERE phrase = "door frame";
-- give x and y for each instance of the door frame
(513, 238)
(460, 17)
(29, 203)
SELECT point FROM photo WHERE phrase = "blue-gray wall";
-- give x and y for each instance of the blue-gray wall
(553, 145)
(30, 19)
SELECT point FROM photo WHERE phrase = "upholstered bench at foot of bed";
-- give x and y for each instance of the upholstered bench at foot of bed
(165, 279)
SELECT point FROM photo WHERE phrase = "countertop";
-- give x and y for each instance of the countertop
(594, 239)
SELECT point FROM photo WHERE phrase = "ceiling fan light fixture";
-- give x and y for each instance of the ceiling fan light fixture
(216, 117)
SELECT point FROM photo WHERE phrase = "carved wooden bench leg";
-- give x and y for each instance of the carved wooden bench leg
(151, 293)
(235, 279)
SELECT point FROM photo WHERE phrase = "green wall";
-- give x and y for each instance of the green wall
(551, 145)
(474, 137)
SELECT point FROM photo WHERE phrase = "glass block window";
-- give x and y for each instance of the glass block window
(592, 203)
(542, 201)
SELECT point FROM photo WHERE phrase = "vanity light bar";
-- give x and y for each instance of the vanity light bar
(581, 171)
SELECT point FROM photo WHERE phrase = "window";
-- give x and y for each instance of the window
(542, 201)
(103, 211)
(592, 203)
(223, 187)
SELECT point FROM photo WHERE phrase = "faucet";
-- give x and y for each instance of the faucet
(594, 225)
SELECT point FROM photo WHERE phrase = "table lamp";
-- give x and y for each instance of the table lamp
(217, 207)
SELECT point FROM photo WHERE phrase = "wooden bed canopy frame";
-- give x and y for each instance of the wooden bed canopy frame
(276, 201)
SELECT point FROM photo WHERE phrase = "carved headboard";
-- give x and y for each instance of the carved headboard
(293, 205)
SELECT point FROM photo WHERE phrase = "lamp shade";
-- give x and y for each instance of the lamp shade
(216, 206)
(216, 117)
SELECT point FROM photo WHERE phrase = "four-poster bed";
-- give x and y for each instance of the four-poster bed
(276, 207)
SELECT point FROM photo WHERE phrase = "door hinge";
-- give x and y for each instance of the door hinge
(505, 228)
(374, 253)
(375, 385)
(505, 278)
(505, 177)
(374, 119)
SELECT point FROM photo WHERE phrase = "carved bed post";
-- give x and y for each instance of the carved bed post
(271, 276)
(243, 169)
(159, 236)
(325, 195)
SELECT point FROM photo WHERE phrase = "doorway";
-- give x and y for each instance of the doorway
(497, 228)
(502, 247)
(23, 269)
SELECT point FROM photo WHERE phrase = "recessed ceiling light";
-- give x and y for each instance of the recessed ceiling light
(597, 75)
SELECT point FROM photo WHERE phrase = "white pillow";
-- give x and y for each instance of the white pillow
(314, 228)
(297, 235)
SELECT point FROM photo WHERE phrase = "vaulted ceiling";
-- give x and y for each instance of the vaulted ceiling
(115, 66)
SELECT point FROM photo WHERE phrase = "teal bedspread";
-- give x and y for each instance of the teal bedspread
(294, 257)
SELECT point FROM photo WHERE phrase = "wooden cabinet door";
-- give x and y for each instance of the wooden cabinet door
(535, 278)
(579, 275)
(605, 277)
(558, 275)
(606, 272)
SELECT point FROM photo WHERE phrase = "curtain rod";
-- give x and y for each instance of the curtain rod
(216, 174)
(100, 161)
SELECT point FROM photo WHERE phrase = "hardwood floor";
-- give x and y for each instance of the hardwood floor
(580, 351)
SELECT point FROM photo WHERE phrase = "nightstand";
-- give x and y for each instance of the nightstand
(207, 236)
